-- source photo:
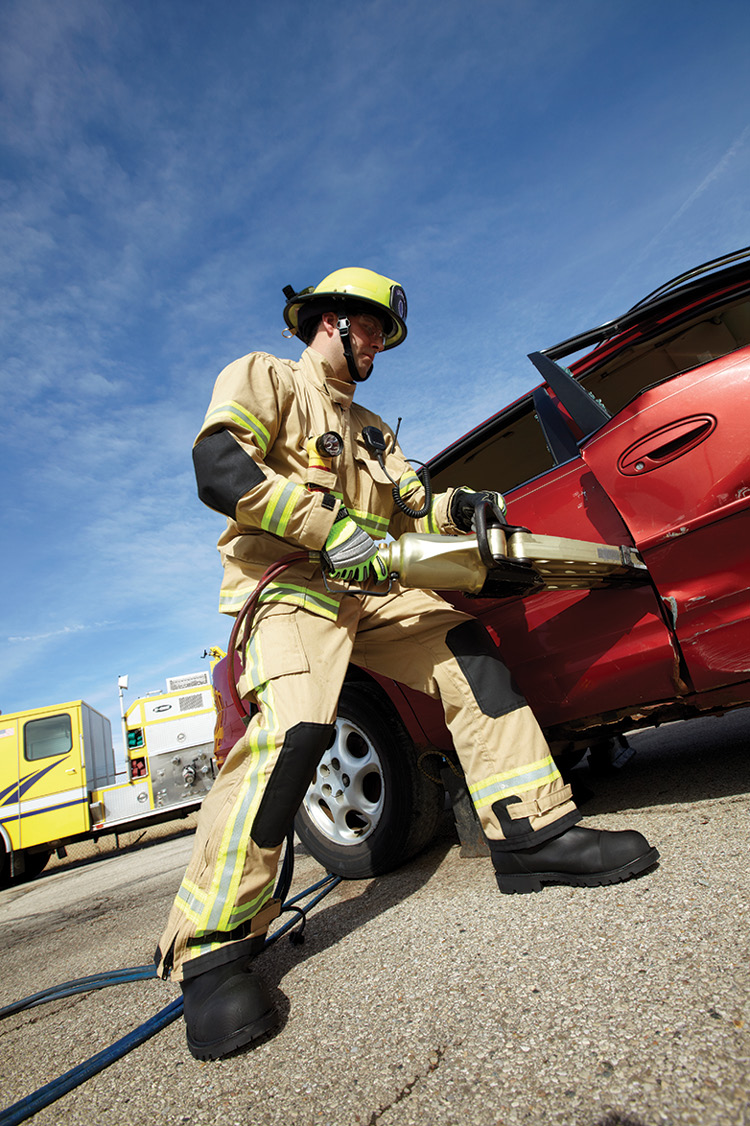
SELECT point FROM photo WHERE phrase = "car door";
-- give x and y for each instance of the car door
(575, 653)
(676, 463)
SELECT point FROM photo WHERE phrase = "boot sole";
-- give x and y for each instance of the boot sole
(215, 1049)
(533, 881)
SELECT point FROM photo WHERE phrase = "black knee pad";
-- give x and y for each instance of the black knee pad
(491, 684)
(298, 759)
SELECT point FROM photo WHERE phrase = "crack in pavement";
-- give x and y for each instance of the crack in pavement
(436, 1058)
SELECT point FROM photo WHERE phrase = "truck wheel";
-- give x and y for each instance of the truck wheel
(34, 863)
(369, 807)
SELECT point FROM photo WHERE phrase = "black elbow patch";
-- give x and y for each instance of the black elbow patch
(490, 681)
(224, 472)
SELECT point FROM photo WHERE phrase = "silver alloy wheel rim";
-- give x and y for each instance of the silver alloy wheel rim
(346, 797)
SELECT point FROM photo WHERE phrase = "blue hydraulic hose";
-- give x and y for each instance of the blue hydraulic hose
(24, 1109)
(80, 985)
(327, 884)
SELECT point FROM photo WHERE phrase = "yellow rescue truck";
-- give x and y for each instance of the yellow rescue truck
(58, 778)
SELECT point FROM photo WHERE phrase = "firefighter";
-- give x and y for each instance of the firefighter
(255, 463)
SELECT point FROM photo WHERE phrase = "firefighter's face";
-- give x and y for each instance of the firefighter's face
(367, 338)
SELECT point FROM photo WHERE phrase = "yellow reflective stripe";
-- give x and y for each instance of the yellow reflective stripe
(197, 951)
(504, 775)
(529, 777)
(216, 909)
(324, 605)
(193, 889)
(194, 903)
(191, 901)
(239, 915)
(234, 600)
(376, 526)
(287, 494)
(373, 524)
(296, 495)
(281, 506)
(237, 414)
(252, 666)
(407, 482)
(432, 524)
(235, 840)
(244, 911)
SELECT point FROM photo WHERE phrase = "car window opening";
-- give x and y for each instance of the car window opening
(536, 434)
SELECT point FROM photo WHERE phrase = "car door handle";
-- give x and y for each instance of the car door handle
(72, 770)
(665, 444)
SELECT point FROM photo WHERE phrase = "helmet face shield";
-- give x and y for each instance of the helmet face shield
(351, 291)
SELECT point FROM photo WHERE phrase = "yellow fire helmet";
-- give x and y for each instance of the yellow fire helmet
(351, 290)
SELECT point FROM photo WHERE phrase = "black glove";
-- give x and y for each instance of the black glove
(464, 503)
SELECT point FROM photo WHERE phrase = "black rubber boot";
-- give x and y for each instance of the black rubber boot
(581, 857)
(225, 1009)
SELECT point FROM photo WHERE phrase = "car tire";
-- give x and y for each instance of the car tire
(369, 808)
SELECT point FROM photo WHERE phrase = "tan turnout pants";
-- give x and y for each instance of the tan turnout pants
(294, 668)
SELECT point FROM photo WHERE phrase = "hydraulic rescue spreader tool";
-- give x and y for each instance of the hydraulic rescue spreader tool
(497, 561)
(502, 561)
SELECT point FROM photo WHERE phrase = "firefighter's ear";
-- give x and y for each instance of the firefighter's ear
(330, 324)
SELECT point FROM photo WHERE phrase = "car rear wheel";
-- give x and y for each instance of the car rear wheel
(369, 807)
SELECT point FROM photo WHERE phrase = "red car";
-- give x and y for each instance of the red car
(644, 440)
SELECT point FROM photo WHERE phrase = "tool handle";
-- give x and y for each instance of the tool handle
(481, 523)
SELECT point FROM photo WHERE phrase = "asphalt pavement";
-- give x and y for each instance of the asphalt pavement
(425, 996)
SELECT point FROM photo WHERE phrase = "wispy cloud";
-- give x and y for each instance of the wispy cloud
(719, 169)
(65, 631)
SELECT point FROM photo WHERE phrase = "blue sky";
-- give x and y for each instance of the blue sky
(525, 168)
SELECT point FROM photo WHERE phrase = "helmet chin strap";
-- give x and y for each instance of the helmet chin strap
(343, 326)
